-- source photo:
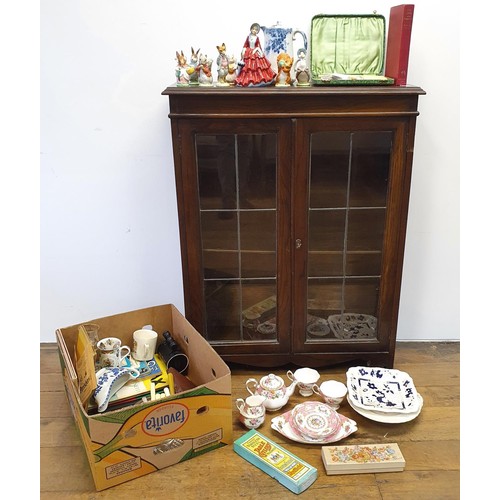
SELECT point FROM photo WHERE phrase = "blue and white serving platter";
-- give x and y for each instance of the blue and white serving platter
(382, 390)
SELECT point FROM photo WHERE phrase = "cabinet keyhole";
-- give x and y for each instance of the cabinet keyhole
(298, 243)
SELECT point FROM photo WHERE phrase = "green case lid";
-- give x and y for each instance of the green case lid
(351, 45)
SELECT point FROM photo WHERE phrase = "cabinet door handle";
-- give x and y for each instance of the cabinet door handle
(298, 243)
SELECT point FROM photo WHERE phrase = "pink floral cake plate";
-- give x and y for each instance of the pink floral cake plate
(284, 425)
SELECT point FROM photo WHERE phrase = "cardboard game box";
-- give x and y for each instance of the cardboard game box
(135, 440)
(362, 458)
(276, 461)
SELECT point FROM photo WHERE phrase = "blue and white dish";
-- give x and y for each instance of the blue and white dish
(382, 389)
(109, 381)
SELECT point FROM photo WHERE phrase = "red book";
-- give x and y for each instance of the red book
(398, 43)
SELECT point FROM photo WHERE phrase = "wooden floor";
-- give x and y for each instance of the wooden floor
(430, 444)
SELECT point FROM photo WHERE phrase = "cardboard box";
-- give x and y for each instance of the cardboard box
(362, 458)
(130, 442)
(276, 461)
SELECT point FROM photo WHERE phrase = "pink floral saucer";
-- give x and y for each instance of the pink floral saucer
(315, 420)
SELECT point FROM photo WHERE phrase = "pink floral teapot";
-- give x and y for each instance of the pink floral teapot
(273, 388)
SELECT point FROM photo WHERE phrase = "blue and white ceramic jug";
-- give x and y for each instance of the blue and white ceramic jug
(278, 39)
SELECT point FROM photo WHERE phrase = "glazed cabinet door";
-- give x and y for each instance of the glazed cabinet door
(234, 201)
(350, 191)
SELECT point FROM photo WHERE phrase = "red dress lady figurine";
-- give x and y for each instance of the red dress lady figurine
(256, 70)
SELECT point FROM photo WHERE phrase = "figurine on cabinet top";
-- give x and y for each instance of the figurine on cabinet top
(285, 63)
(181, 71)
(205, 77)
(232, 68)
(302, 75)
(256, 69)
(194, 68)
(222, 65)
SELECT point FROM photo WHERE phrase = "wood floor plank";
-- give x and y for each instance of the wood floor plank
(54, 431)
(444, 395)
(49, 359)
(435, 485)
(54, 404)
(426, 352)
(51, 382)
(431, 455)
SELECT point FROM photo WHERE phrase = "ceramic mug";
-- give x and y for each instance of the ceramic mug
(252, 411)
(111, 353)
(305, 378)
(332, 392)
(144, 346)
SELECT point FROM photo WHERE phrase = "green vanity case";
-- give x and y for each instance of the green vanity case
(348, 50)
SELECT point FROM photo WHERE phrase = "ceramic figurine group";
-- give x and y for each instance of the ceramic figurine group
(254, 68)
(198, 71)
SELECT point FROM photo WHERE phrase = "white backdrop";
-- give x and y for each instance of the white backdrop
(109, 230)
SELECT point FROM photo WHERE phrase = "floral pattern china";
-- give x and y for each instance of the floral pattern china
(315, 420)
(285, 426)
(382, 389)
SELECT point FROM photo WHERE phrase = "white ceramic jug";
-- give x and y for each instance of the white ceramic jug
(252, 411)
(278, 39)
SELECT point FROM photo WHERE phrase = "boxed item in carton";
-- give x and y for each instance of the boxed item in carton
(141, 438)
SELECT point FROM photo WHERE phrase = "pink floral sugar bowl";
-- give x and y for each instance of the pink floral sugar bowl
(315, 420)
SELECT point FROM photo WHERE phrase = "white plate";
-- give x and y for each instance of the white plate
(387, 418)
(382, 389)
(282, 425)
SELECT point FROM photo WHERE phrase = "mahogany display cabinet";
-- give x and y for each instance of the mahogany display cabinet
(293, 206)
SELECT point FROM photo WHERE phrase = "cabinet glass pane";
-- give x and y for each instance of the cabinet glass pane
(326, 242)
(237, 196)
(329, 173)
(347, 211)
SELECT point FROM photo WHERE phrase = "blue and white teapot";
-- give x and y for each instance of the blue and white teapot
(278, 39)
